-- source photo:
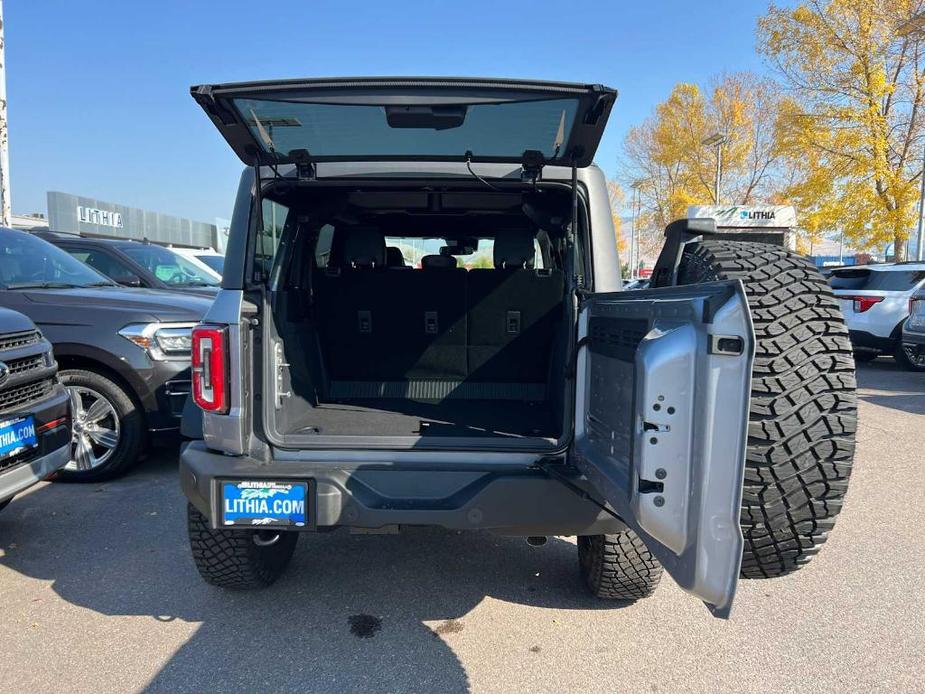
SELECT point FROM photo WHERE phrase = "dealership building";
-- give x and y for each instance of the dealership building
(76, 214)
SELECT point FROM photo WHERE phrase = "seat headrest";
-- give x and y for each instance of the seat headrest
(438, 261)
(394, 257)
(513, 249)
(364, 247)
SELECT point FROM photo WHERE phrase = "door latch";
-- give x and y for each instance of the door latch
(279, 383)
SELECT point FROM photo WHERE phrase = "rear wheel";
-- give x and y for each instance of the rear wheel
(242, 559)
(108, 428)
(905, 361)
(618, 566)
(803, 413)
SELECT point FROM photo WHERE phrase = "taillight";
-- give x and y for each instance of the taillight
(210, 368)
(863, 303)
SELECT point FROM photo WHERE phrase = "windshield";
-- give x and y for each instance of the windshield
(216, 262)
(167, 266)
(350, 130)
(882, 280)
(28, 262)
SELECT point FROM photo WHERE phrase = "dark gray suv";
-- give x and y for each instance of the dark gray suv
(124, 354)
(422, 322)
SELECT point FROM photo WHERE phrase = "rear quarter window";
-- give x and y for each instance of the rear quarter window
(882, 280)
(267, 243)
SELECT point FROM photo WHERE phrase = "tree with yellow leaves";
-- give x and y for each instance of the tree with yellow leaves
(615, 197)
(673, 168)
(852, 128)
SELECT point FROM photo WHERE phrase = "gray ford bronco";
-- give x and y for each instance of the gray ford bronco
(421, 322)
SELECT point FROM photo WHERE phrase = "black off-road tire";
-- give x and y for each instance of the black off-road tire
(803, 415)
(132, 432)
(231, 558)
(618, 566)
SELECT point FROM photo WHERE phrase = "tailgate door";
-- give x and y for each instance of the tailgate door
(661, 423)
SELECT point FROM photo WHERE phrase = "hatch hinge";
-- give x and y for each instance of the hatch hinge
(304, 166)
(532, 163)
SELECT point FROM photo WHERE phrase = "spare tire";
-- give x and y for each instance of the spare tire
(803, 413)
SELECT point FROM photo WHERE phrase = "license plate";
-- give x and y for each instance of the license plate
(17, 435)
(264, 503)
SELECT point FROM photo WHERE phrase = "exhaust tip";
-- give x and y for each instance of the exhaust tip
(537, 540)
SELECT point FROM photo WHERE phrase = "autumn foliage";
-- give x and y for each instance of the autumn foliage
(839, 134)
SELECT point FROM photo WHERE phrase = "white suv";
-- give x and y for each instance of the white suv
(205, 259)
(875, 301)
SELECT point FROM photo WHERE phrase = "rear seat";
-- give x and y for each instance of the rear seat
(440, 322)
(352, 306)
(381, 325)
(513, 314)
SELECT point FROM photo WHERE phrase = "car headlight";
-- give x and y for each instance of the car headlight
(162, 341)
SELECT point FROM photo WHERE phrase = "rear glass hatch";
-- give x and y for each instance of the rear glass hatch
(410, 119)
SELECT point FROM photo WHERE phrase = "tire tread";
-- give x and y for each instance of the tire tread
(803, 412)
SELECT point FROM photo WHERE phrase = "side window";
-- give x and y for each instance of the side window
(274, 221)
(108, 265)
(102, 262)
(323, 246)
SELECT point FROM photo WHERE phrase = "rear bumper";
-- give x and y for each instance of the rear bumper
(170, 389)
(53, 451)
(509, 501)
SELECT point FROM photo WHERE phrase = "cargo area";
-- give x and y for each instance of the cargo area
(444, 319)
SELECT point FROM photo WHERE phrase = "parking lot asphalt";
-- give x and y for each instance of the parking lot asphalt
(98, 593)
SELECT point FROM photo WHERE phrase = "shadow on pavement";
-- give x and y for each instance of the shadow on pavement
(883, 382)
(347, 615)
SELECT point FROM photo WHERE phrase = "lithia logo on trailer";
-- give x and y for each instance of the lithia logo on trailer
(757, 214)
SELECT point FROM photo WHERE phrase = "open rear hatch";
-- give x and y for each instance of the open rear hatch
(662, 376)
(409, 119)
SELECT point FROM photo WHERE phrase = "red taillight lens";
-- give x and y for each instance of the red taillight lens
(210, 368)
(863, 303)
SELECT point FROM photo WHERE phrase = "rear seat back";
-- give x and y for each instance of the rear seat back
(352, 304)
(430, 324)
(440, 322)
(513, 314)
(381, 325)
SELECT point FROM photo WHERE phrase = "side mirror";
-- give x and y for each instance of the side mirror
(127, 280)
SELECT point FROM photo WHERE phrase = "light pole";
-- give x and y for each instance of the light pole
(716, 140)
(919, 235)
(634, 238)
(915, 27)
(5, 211)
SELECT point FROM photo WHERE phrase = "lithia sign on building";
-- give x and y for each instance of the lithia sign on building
(94, 215)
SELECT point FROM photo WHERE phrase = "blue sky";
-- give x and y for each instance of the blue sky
(98, 90)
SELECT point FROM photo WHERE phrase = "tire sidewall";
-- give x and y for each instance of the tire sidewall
(131, 435)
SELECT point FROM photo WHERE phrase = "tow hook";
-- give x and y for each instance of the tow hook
(537, 540)
(263, 538)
